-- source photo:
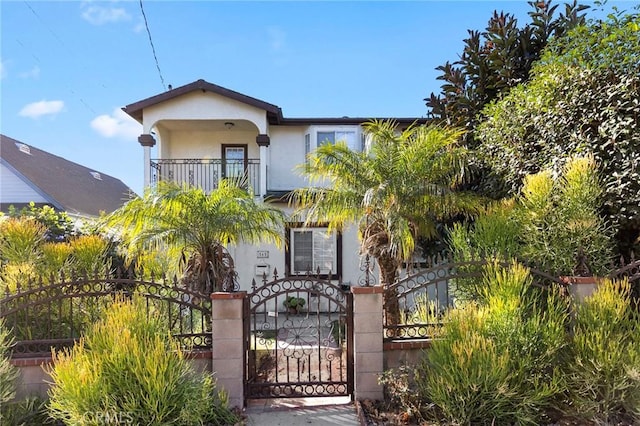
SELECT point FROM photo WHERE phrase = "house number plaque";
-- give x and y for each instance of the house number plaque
(263, 254)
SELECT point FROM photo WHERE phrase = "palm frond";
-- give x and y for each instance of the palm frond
(396, 191)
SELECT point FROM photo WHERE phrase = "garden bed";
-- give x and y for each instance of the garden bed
(383, 413)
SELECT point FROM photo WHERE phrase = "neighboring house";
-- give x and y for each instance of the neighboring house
(28, 174)
(205, 133)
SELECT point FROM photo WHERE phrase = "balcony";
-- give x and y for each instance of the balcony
(205, 173)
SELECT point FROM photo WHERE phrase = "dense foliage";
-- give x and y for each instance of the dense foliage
(127, 369)
(528, 356)
(26, 253)
(195, 226)
(59, 226)
(553, 225)
(8, 373)
(582, 98)
(604, 375)
(495, 60)
(498, 362)
(396, 191)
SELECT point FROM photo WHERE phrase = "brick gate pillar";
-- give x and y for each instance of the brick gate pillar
(367, 342)
(227, 339)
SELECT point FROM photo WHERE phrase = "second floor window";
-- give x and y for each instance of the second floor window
(331, 137)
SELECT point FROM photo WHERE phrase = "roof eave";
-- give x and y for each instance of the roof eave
(351, 120)
(135, 110)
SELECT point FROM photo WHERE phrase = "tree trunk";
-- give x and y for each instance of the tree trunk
(388, 275)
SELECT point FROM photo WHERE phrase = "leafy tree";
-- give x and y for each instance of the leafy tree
(495, 60)
(582, 98)
(395, 191)
(201, 225)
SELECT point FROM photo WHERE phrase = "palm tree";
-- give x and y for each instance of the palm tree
(397, 190)
(201, 225)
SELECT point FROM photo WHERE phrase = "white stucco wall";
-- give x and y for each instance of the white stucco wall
(203, 106)
(288, 150)
(246, 259)
(285, 152)
(203, 144)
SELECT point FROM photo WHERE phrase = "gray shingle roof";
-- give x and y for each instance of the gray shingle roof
(67, 185)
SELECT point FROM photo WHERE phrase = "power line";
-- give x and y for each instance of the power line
(153, 49)
(64, 46)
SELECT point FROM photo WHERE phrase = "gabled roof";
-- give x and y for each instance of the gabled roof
(67, 186)
(274, 113)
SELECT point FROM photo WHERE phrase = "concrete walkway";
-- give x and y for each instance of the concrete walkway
(339, 411)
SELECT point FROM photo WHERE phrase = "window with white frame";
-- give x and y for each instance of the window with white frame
(307, 146)
(331, 137)
(311, 250)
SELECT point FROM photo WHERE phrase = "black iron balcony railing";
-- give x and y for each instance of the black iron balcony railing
(205, 173)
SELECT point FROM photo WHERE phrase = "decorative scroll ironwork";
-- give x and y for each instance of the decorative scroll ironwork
(54, 314)
(294, 353)
(205, 173)
(423, 296)
(367, 267)
(631, 271)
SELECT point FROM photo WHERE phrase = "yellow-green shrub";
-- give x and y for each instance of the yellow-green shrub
(604, 375)
(16, 274)
(55, 258)
(8, 373)
(498, 362)
(127, 367)
(20, 238)
(89, 253)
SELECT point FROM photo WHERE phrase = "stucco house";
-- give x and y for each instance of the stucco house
(203, 132)
(29, 174)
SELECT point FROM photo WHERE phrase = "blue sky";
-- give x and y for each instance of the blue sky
(67, 67)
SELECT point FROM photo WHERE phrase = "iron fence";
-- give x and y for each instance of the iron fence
(53, 314)
(415, 304)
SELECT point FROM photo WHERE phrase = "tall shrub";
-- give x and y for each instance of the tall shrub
(549, 225)
(8, 373)
(561, 220)
(20, 239)
(604, 376)
(89, 253)
(59, 226)
(495, 234)
(128, 368)
(498, 362)
(55, 258)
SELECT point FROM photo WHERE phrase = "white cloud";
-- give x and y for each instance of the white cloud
(100, 15)
(44, 107)
(32, 73)
(139, 27)
(118, 124)
(277, 38)
(3, 69)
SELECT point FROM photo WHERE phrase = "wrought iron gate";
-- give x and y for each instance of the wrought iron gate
(302, 347)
